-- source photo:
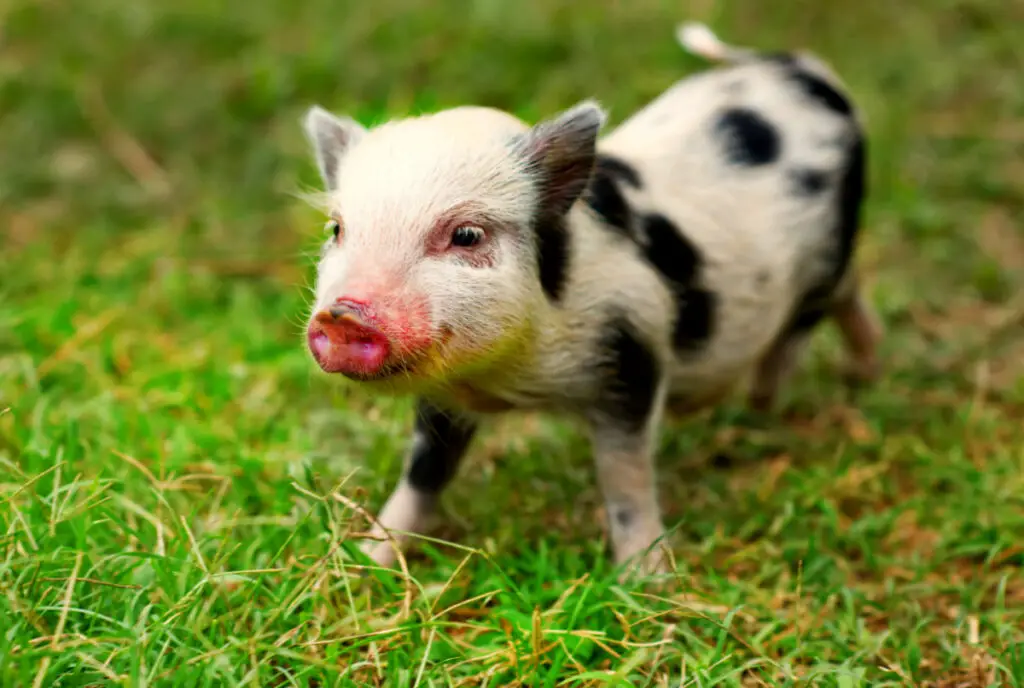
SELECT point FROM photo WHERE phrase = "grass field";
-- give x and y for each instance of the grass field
(177, 483)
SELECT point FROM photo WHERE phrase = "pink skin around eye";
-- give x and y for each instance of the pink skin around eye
(439, 241)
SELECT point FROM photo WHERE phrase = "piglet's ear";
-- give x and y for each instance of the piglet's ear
(331, 137)
(561, 152)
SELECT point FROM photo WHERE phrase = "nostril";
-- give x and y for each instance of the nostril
(343, 312)
(339, 311)
(343, 307)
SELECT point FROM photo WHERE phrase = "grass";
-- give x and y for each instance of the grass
(178, 487)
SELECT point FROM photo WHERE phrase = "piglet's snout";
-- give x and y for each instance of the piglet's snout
(344, 339)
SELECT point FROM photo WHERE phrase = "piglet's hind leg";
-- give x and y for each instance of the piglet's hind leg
(861, 331)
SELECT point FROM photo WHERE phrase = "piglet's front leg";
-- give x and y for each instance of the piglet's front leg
(440, 440)
(623, 426)
(626, 475)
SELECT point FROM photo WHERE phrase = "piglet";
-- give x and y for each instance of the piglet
(484, 265)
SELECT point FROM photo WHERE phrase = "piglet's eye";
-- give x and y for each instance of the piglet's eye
(467, 236)
(334, 227)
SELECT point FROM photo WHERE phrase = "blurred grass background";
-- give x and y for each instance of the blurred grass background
(168, 458)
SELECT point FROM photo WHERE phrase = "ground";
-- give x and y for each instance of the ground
(178, 482)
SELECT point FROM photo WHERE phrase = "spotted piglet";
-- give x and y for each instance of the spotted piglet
(484, 265)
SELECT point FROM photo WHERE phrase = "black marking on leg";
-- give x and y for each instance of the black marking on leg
(619, 169)
(820, 90)
(623, 516)
(441, 440)
(630, 373)
(552, 239)
(679, 262)
(750, 139)
(808, 182)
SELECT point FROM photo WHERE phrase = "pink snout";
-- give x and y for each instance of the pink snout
(343, 339)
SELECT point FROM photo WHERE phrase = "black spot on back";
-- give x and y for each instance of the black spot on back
(679, 262)
(822, 91)
(442, 440)
(808, 182)
(749, 138)
(619, 169)
(630, 373)
(552, 255)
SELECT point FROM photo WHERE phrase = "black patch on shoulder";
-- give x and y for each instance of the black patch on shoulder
(442, 440)
(618, 168)
(604, 194)
(822, 91)
(605, 199)
(750, 139)
(630, 373)
(808, 182)
(680, 263)
(552, 238)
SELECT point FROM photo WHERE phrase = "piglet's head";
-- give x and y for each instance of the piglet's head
(433, 269)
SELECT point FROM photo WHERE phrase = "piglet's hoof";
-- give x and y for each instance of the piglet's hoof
(651, 565)
(381, 552)
(860, 373)
(649, 557)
